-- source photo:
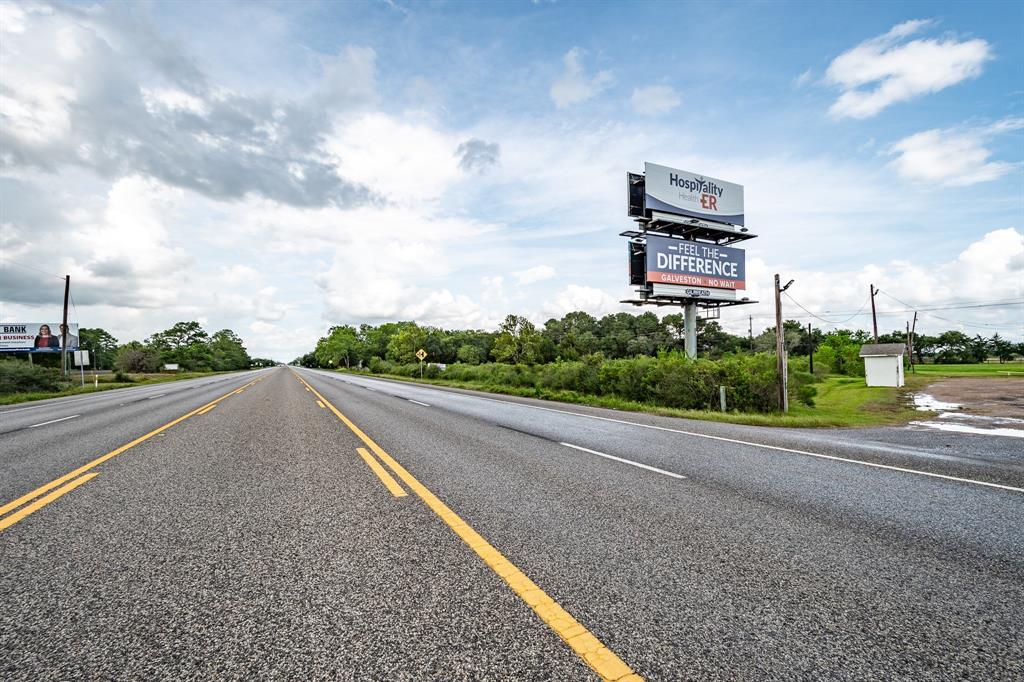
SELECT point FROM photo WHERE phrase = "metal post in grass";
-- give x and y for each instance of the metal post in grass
(721, 396)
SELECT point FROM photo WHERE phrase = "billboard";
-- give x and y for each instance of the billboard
(35, 337)
(688, 194)
(695, 264)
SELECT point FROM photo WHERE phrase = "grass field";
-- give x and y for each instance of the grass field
(981, 369)
(841, 401)
(107, 382)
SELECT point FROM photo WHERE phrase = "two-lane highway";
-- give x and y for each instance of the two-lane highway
(320, 525)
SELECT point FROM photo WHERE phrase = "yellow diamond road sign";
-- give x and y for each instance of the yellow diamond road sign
(421, 354)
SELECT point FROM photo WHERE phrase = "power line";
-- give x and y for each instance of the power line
(818, 317)
(978, 325)
(30, 267)
(77, 319)
(908, 309)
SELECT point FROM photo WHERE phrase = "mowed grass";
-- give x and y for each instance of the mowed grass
(981, 369)
(107, 382)
(841, 402)
(847, 401)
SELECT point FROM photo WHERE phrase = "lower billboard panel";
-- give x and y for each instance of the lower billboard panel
(676, 291)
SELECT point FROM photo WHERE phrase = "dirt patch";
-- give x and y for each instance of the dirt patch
(988, 396)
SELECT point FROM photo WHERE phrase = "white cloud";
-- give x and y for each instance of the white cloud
(99, 87)
(172, 100)
(574, 85)
(595, 301)
(538, 273)
(987, 270)
(888, 69)
(12, 18)
(803, 79)
(350, 77)
(404, 162)
(954, 157)
(655, 99)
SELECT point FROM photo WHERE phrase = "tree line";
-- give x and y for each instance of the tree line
(185, 344)
(577, 335)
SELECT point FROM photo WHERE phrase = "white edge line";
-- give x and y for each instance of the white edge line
(158, 395)
(54, 421)
(417, 402)
(624, 461)
(723, 439)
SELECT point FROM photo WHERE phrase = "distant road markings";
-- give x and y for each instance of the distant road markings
(417, 402)
(43, 501)
(600, 658)
(762, 445)
(624, 461)
(154, 397)
(322, 407)
(54, 421)
(71, 480)
(389, 482)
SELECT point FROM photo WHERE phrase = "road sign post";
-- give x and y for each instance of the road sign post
(422, 355)
(82, 359)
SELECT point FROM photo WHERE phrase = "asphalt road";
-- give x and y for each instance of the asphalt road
(261, 537)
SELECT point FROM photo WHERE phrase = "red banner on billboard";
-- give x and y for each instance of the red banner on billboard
(695, 280)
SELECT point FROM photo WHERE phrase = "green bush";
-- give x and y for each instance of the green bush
(625, 378)
(841, 354)
(669, 380)
(19, 376)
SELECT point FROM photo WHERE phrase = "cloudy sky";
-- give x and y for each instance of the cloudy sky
(277, 168)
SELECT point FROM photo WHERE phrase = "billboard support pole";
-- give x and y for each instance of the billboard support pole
(691, 329)
(64, 330)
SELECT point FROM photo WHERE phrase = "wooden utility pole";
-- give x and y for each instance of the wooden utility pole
(874, 317)
(780, 360)
(911, 360)
(64, 330)
(913, 327)
(810, 349)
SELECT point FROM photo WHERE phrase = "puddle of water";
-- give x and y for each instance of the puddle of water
(928, 403)
(967, 428)
(999, 421)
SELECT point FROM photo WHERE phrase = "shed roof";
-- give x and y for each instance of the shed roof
(882, 349)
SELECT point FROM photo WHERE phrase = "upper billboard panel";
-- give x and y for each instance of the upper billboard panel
(698, 196)
(35, 337)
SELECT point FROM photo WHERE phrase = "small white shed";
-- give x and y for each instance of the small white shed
(883, 363)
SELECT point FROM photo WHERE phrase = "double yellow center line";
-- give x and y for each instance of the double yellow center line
(72, 480)
(594, 653)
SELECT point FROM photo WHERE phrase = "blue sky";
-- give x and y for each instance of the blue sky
(279, 167)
